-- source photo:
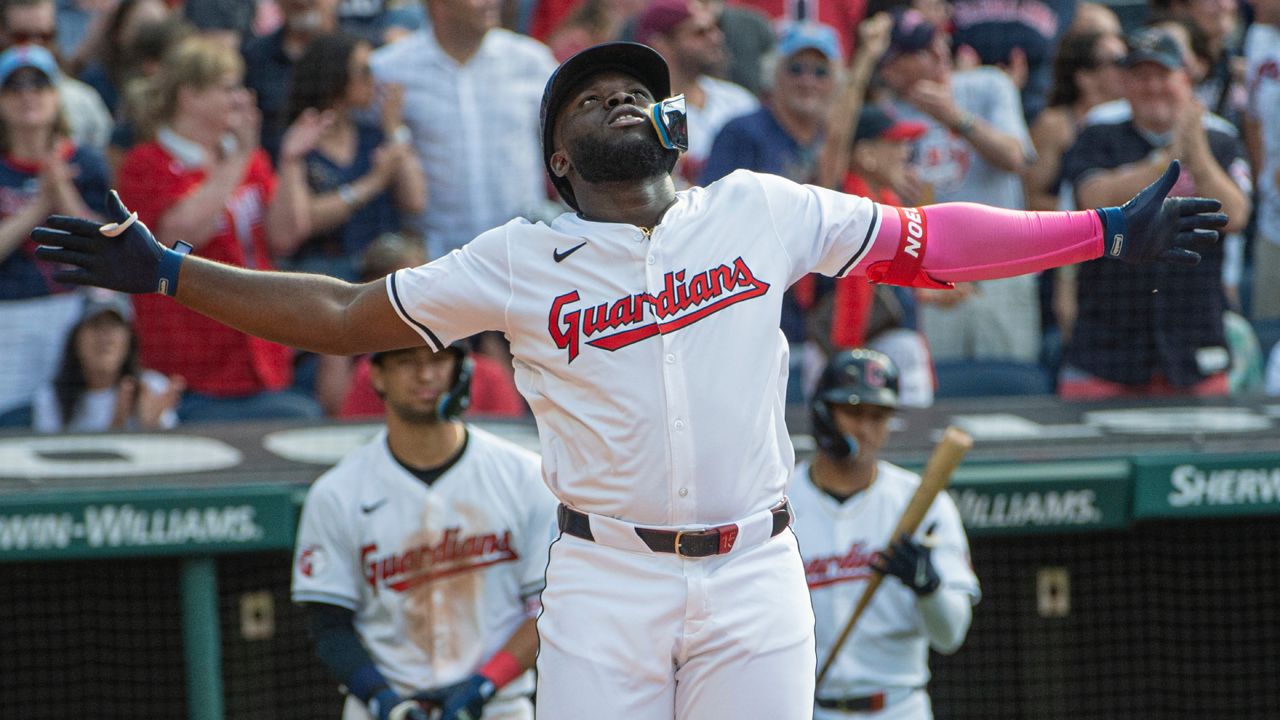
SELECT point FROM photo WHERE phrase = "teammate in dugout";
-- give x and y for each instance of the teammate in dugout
(420, 556)
(847, 502)
(644, 327)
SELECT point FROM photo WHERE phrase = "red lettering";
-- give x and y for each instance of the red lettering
(595, 319)
(701, 294)
(424, 563)
(568, 337)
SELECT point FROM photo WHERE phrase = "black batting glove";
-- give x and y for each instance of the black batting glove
(387, 705)
(463, 700)
(1152, 227)
(122, 255)
(910, 562)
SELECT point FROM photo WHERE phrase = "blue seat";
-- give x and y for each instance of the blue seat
(986, 378)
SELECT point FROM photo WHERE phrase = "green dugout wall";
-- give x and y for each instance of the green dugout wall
(1129, 556)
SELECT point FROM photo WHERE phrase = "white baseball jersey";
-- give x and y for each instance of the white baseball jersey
(437, 576)
(653, 365)
(889, 648)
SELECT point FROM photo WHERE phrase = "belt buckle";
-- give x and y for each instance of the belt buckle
(679, 537)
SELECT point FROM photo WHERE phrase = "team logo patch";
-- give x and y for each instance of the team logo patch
(684, 300)
(310, 560)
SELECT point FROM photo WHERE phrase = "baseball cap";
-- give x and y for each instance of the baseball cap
(27, 56)
(1154, 45)
(911, 33)
(794, 37)
(660, 18)
(97, 302)
(639, 61)
(876, 124)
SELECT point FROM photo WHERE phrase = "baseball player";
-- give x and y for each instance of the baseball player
(847, 502)
(420, 555)
(644, 328)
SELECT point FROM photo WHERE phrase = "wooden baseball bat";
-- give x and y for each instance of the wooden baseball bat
(946, 456)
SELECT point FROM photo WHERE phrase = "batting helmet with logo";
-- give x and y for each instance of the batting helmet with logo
(639, 61)
(852, 377)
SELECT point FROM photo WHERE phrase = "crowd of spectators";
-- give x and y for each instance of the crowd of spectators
(353, 137)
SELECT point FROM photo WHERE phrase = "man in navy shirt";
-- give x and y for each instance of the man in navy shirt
(784, 137)
(1153, 329)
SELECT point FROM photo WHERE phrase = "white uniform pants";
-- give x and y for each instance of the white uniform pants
(651, 636)
(915, 706)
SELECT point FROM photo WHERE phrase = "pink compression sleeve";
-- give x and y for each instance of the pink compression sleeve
(967, 241)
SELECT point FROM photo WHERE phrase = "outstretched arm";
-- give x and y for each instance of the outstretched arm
(954, 242)
(311, 312)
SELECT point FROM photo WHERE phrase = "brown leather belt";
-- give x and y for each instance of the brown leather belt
(866, 703)
(685, 543)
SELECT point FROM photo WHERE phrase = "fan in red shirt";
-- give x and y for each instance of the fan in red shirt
(877, 164)
(202, 179)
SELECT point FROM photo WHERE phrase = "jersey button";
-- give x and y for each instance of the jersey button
(684, 492)
(651, 259)
(679, 424)
(671, 358)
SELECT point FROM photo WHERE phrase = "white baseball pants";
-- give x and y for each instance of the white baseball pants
(652, 636)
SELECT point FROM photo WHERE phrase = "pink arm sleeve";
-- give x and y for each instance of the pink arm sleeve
(967, 241)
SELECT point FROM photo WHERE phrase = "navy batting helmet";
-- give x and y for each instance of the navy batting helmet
(852, 377)
(639, 61)
(455, 401)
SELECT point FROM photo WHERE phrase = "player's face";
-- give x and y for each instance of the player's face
(603, 134)
(868, 423)
(412, 381)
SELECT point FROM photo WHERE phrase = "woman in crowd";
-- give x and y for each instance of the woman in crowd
(41, 173)
(147, 50)
(200, 177)
(360, 177)
(1085, 74)
(100, 384)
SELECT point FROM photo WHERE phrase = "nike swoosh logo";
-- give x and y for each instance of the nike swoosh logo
(560, 256)
(374, 506)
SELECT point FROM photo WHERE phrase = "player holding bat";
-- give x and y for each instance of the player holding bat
(847, 503)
